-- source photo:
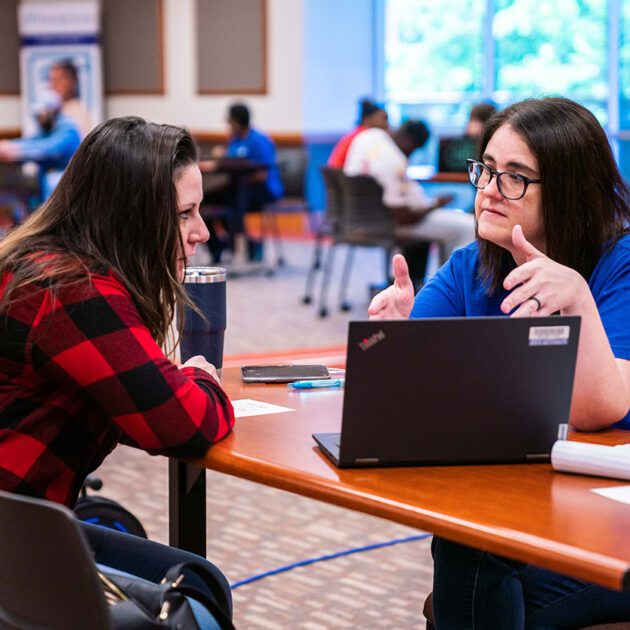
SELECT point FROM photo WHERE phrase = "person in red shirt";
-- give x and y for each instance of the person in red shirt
(370, 115)
(89, 285)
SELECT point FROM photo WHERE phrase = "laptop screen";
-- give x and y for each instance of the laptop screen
(456, 390)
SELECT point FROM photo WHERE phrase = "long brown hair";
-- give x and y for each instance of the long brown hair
(114, 208)
(585, 202)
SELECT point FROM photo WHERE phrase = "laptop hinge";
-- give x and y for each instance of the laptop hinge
(563, 431)
(366, 460)
(537, 457)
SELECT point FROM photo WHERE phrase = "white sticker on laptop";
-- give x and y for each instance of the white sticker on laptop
(549, 335)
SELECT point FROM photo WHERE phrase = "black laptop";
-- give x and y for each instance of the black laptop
(453, 153)
(454, 391)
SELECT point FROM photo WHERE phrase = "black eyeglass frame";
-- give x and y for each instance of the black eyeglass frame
(526, 180)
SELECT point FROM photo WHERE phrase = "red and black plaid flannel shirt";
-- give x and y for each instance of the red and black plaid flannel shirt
(80, 372)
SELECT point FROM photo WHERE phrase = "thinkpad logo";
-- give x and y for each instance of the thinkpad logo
(372, 340)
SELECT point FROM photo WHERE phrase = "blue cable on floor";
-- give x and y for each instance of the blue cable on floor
(332, 556)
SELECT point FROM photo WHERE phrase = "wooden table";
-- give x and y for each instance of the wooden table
(239, 171)
(526, 511)
(449, 178)
(425, 174)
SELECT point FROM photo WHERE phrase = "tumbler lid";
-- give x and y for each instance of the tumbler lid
(204, 275)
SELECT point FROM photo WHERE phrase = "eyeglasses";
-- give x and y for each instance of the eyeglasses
(511, 185)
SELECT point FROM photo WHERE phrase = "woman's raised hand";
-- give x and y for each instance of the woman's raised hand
(200, 362)
(396, 301)
(540, 286)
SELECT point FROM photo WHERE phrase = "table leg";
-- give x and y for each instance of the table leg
(187, 507)
(236, 225)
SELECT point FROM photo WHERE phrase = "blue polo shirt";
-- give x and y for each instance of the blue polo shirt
(258, 147)
(456, 291)
(51, 150)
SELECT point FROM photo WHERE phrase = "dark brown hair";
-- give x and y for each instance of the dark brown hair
(239, 112)
(115, 207)
(585, 201)
(482, 112)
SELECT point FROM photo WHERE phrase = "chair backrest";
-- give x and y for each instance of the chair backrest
(47, 576)
(292, 164)
(365, 217)
(334, 194)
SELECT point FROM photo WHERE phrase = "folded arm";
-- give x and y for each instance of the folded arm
(93, 339)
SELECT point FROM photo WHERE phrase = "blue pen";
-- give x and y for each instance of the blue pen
(327, 382)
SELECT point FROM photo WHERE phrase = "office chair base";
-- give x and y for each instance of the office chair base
(307, 299)
(323, 312)
(345, 306)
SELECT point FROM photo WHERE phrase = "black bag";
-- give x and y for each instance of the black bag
(136, 604)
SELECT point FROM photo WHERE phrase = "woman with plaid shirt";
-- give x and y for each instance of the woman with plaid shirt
(89, 285)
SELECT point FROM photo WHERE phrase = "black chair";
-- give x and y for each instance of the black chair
(19, 195)
(292, 168)
(364, 221)
(48, 579)
(326, 226)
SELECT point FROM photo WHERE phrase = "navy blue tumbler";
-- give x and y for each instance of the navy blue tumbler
(206, 288)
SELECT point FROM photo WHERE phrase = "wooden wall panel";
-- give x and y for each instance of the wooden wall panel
(133, 46)
(231, 46)
(9, 48)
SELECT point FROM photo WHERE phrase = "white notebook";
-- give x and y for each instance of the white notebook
(591, 459)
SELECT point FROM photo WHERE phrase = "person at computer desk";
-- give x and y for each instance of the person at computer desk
(52, 146)
(89, 285)
(376, 153)
(262, 186)
(370, 115)
(553, 217)
(477, 119)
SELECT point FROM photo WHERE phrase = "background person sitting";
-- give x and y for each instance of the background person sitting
(263, 186)
(477, 119)
(63, 78)
(51, 147)
(370, 115)
(376, 153)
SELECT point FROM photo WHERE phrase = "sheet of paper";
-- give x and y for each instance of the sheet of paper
(248, 407)
(591, 459)
(618, 493)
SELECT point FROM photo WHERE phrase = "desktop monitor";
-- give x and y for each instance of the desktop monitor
(453, 153)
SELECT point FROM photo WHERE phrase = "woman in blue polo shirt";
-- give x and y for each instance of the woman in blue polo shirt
(552, 214)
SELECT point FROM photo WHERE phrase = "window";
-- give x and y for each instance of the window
(434, 64)
(440, 59)
(551, 47)
(432, 51)
(624, 90)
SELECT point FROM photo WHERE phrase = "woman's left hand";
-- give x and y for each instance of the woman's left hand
(540, 286)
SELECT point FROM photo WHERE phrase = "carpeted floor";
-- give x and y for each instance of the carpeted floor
(253, 529)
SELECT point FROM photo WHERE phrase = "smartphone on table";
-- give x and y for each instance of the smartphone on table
(282, 373)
